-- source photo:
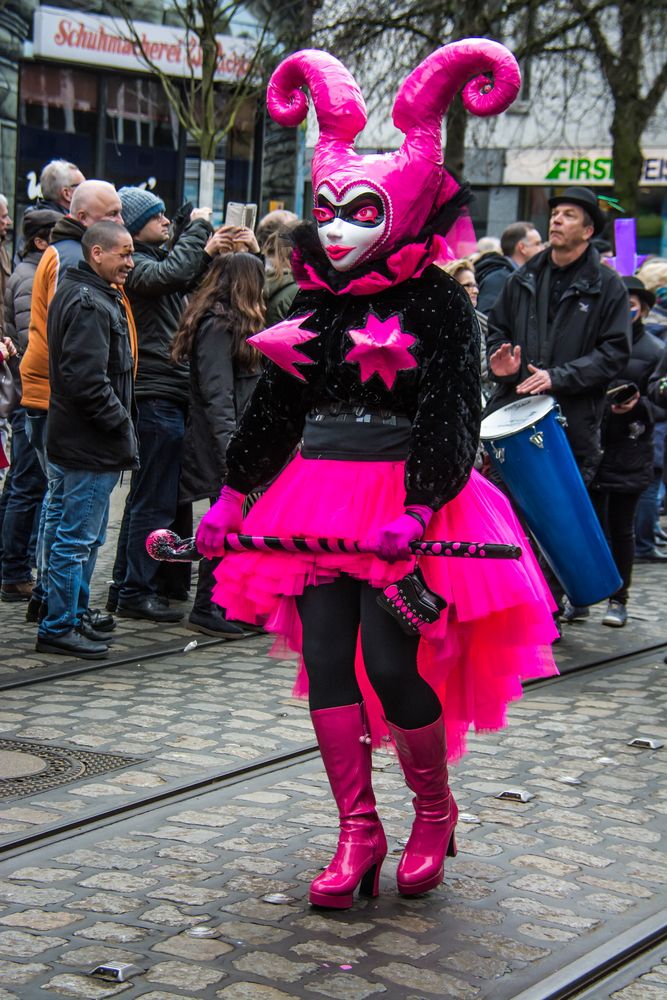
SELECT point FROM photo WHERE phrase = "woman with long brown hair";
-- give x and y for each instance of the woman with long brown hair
(227, 308)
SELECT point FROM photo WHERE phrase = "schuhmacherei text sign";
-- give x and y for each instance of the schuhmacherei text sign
(71, 36)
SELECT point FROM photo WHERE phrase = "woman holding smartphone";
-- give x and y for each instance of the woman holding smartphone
(627, 439)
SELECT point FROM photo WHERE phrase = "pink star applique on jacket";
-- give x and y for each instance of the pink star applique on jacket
(281, 341)
(381, 347)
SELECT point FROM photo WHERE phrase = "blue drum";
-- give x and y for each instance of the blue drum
(529, 450)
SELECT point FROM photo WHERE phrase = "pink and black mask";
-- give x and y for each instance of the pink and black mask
(367, 204)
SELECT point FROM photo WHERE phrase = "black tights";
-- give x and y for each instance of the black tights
(332, 616)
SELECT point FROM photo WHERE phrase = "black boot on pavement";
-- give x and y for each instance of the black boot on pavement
(213, 623)
(72, 644)
(149, 608)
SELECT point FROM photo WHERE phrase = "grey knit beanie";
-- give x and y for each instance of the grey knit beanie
(139, 207)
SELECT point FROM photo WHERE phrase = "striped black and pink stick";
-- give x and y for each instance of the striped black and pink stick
(267, 543)
(166, 546)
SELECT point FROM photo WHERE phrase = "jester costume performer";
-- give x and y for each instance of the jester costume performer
(365, 423)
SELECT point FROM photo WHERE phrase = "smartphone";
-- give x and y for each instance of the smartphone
(622, 393)
(238, 214)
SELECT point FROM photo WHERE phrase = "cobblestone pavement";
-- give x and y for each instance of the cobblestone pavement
(534, 886)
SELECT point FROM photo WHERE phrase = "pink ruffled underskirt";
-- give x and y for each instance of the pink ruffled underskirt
(496, 631)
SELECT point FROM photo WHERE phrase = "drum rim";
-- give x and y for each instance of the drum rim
(516, 430)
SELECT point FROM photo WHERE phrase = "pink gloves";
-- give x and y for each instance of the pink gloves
(392, 541)
(224, 518)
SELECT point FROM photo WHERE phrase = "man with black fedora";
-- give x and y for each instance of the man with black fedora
(562, 326)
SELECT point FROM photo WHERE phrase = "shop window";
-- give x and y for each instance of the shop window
(142, 136)
(479, 210)
(58, 109)
(57, 99)
(138, 113)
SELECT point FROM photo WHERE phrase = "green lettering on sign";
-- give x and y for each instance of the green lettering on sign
(557, 171)
(581, 169)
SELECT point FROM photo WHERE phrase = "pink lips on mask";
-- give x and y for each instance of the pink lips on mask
(336, 252)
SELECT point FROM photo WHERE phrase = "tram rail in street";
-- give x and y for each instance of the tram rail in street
(220, 778)
(625, 952)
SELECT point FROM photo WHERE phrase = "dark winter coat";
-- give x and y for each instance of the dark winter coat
(280, 292)
(219, 391)
(491, 271)
(436, 387)
(40, 205)
(589, 346)
(90, 423)
(657, 383)
(627, 438)
(18, 296)
(156, 288)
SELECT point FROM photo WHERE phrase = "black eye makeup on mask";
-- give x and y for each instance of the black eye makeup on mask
(365, 210)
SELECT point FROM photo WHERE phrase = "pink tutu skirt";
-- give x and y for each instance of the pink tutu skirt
(496, 631)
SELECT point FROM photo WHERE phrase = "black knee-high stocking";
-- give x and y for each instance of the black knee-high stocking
(331, 615)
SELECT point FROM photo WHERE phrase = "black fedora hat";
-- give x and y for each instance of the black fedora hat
(637, 287)
(584, 198)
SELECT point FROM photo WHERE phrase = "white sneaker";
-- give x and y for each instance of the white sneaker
(616, 615)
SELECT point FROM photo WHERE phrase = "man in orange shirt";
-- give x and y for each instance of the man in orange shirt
(93, 201)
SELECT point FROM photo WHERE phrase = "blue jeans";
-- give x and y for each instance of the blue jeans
(81, 531)
(52, 503)
(26, 489)
(646, 517)
(153, 496)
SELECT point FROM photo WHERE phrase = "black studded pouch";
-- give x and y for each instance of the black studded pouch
(411, 603)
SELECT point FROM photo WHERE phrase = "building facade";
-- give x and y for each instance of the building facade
(77, 88)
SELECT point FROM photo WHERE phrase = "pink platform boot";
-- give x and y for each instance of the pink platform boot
(344, 743)
(423, 756)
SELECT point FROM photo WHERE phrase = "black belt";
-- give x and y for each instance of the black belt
(357, 434)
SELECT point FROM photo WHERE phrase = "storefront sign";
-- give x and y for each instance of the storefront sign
(73, 37)
(593, 167)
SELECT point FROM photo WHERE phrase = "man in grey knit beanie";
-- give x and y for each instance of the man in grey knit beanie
(159, 282)
(139, 207)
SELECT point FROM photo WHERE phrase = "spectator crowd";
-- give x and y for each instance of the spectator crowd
(124, 350)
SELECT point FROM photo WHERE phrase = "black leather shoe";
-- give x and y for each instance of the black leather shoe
(98, 620)
(213, 623)
(86, 629)
(150, 609)
(72, 644)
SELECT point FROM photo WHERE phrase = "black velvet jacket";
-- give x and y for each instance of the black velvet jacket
(440, 394)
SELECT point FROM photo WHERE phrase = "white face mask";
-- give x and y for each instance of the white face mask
(349, 228)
